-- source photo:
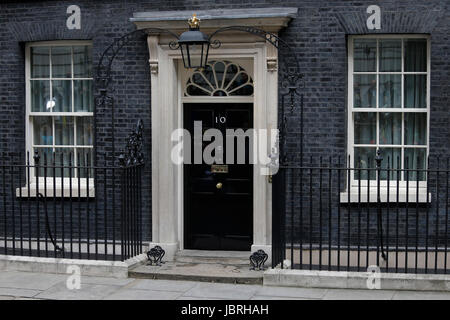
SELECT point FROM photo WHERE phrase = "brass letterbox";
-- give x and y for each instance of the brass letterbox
(219, 168)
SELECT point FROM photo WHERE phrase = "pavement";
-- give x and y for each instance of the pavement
(27, 285)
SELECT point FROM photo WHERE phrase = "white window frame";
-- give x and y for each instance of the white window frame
(61, 183)
(350, 128)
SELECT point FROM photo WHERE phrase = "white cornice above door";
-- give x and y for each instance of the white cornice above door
(268, 19)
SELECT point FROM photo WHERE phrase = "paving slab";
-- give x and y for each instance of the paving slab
(163, 285)
(205, 272)
(28, 280)
(222, 291)
(292, 292)
(355, 294)
(14, 292)
(423, 295)
(87, 292)
(25, 285)
(134, 294)
(108, 280)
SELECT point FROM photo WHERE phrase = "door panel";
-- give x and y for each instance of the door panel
(218, 205)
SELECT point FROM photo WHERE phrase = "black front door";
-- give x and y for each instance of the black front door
(218, 198)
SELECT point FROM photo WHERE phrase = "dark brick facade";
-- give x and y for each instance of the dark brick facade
(318, 36)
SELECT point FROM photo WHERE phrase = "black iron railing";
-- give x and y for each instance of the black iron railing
(52, 208)
(328, 215)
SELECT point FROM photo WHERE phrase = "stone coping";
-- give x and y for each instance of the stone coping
(288, 12)
(101, 268)
(269, 19)
(355, 280)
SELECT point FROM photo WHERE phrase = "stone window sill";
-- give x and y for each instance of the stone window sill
(403, 196)
(58, 190)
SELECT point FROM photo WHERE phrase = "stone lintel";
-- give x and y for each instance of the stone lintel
(268, 19)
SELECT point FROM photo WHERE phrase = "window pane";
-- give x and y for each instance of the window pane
(62, 62)
(219, 68)
(390, 128)
(416, 55)
(390, 55)
(390, 91)
(241, 78)
(199, 80)
(365, 127)
(62, 95)
(209, 75)
(83, 96)
(364, 56)
(365, 89)
(194, 53)
(391, 157)
(40, 96)
(82, 61)
(64, 131)
(192, 90)
(415, 91)
(415, 158)
(42, 131)
(365, 158)
(416, 128)
(84, 157)
(244, 91)
(84, 131)
(63, 157)
(40, 62)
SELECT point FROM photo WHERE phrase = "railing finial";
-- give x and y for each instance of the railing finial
(378, 158)
(36, 157)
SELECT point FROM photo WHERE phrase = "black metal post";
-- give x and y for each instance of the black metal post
(36, 158)
(378, 160)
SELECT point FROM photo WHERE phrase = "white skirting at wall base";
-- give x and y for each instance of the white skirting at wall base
(356, 280)
(98, 268)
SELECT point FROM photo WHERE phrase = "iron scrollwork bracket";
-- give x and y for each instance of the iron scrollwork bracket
(258, 259)
(155, 255)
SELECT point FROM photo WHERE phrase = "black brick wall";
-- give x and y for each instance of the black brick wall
(318, 36)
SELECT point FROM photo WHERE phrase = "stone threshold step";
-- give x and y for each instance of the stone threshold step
(198, 272)
(215, 279)
(214, 254)
(231, 258)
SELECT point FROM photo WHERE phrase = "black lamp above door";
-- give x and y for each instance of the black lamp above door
(194, 45)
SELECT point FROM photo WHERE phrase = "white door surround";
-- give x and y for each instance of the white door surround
(167, 85)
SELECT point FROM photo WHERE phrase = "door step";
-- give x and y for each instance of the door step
(206, 266)
(226, 258)
(205, 272)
